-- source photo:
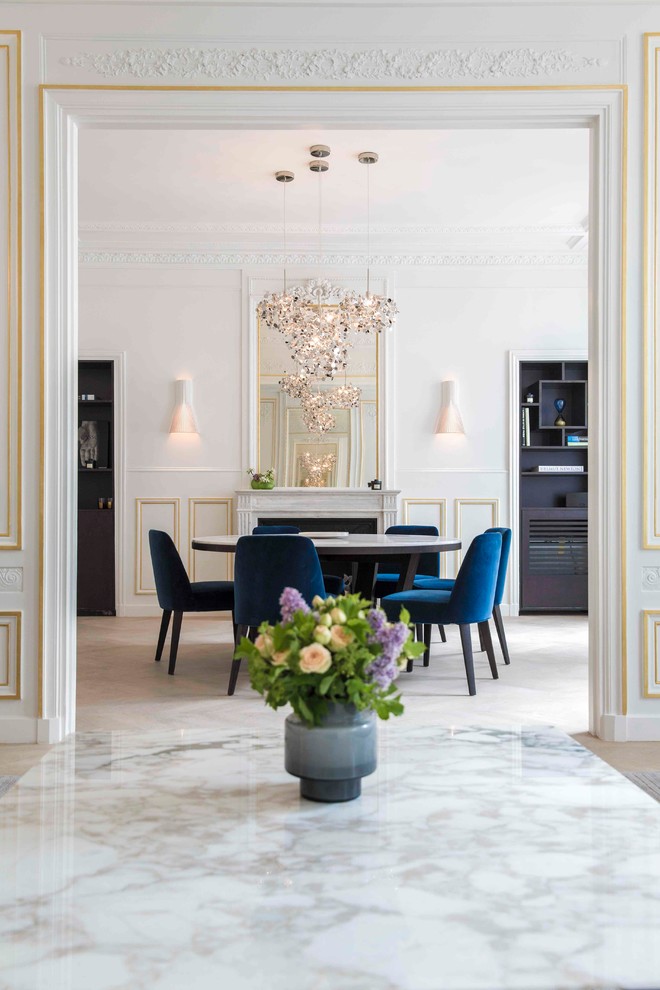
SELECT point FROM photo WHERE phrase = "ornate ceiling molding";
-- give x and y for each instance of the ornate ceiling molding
(172, 227)
(295, 65)
(220, 259)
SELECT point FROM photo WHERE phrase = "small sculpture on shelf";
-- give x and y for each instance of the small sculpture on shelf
(559, 406)
(88, 441)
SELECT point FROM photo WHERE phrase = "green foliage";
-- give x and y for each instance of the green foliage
(284, 670)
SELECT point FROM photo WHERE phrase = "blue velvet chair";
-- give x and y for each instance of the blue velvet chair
(469, 602)
(264, 567)
(334, 583)
(429, 563)
(176, 593)
(446, 584)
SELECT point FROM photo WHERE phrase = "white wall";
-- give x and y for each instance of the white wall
(186, 322)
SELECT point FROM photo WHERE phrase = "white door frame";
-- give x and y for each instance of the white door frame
(601, 109)
(515, 359)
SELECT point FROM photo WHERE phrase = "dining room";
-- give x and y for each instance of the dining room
(184, 238)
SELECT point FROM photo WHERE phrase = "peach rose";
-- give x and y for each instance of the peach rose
(340, 637)
(315, 659)
(280, 657)
(264, 643)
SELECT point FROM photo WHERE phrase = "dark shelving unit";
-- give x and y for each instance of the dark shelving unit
(553, 572)
(96, 527)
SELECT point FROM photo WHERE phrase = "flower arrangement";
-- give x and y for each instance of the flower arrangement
(263, 477)
(341, 650)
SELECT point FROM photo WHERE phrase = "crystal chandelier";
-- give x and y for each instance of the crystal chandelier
(368, 313)
(316, 468)
(318, 319)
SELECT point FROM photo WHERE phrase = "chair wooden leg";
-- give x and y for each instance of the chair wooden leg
(174, 643)
(427, 644)
(484, 632)
(501, 635)
(482, 644)
(443, 635)
(466, 643)
(236, 664)
(162, 635)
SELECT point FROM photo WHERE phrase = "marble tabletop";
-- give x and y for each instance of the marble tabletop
(476, 859)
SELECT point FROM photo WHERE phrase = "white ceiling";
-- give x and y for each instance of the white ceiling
(426, 184)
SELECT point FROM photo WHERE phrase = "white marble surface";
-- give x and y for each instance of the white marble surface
(476, 859)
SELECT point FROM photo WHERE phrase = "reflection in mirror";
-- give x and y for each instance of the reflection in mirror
(346, 456)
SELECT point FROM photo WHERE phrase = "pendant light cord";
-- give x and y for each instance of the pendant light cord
(368, 225)
(284, 185)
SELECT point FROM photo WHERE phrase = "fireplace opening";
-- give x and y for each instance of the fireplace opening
(324, 524)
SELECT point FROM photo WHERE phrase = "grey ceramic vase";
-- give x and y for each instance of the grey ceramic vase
(331, 758)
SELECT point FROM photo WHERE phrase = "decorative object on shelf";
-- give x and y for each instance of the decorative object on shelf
(316, 468)
(317, 319)
(526, 430)
(529, 397)
(262, 480)
(184, 419)
(88, 442)
(375, 485)
(559, 405)
(449, 419)
(108, 503)
(336, 667)
(101, 503)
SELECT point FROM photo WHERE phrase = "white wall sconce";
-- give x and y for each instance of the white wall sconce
(450, 419)
(184, 419)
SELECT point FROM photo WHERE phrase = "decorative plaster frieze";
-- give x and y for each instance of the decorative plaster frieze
(291, 65)
(650, 578)
(167, 227)
(221, 259)
(11, 578)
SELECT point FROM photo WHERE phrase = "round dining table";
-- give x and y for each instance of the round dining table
(361, 552)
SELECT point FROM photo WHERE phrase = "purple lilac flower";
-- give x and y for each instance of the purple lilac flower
(391, 638)
(291, 601)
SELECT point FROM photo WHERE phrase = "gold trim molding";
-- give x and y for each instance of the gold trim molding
(651, 642)
(440, 505)
(228, 502)
(11, 402)
(11, 642)
(139, 521)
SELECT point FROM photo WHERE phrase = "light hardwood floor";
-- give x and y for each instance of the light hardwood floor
(120, 687)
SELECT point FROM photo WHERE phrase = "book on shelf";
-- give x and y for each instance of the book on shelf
(526, 434)
(558, 468)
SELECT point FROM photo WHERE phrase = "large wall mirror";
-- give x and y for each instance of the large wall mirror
(345, 457)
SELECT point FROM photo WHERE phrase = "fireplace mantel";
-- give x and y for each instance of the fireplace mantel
(314, 503)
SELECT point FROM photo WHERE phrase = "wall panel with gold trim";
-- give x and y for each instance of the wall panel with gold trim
(209, 517)
(471, 517)
(152, 513)
(10, 656)
(10, 291)
(651, 639)
(427, 512)
(651, 370)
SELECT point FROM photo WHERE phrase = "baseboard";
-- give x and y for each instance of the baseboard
(50, 730)
(18, 730)
(630, 728)
(154, 611)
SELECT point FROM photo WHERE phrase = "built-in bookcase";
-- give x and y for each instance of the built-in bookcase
(553, 574)
(96, 525)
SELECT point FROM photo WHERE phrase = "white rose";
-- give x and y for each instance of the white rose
(338, 616)
(325, 620)
(280, 657)
(317, 601)
(340, 637)
(264, 643)
(315, 659)
(322, 635)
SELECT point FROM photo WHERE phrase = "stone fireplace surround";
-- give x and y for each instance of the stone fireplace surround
(311, 508)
